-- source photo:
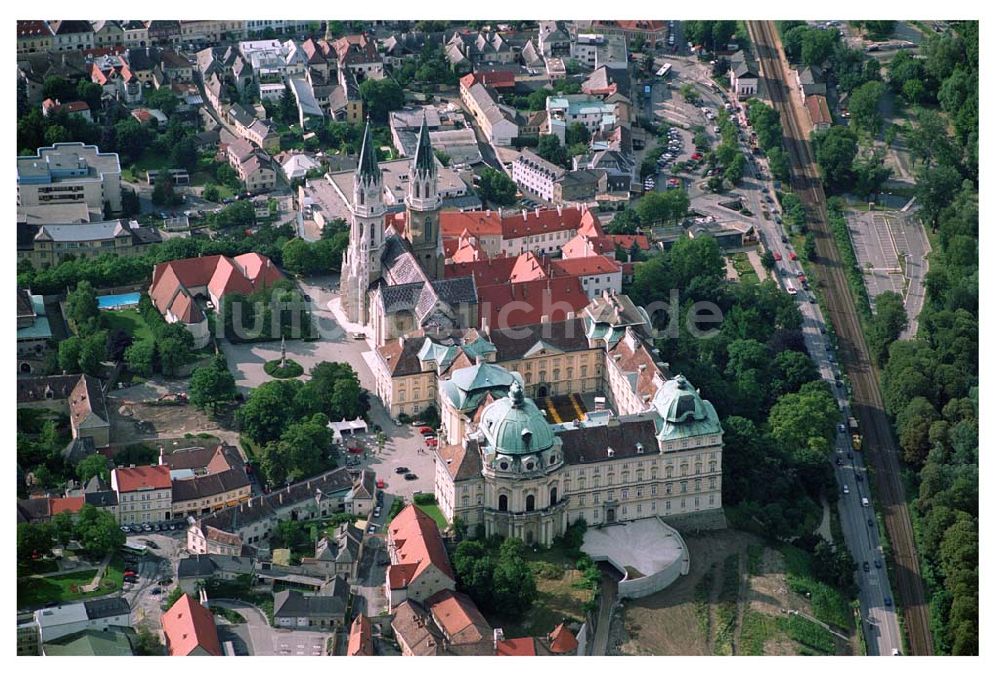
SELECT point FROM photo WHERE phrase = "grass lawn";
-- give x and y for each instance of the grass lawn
(561, 594)
(828, 604)
(129, 321)
(741, 263)
(63, 588)
(136, 172)
(434, 512)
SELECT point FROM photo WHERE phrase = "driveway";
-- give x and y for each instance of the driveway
(263, 639)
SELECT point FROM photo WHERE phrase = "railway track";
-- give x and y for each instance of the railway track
(855, 358)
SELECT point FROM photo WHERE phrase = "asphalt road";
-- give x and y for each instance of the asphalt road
(868, 407)
(263, 639)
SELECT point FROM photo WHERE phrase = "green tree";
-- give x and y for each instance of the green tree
(577, 133)
(497, 188)
(269, 409)
(131, 138)
(936, 187)
(90, 93)
(98, 532)
(81, 303)
(184, 154)
(777, 159)
(63, 528)
(162, 99)
(211, 193)
(380, 97)
(864, 107)
(149, 643)
(913, 426)
(798, 417)
(32, 538)
(734, 170)
(817, 46)
(835, 150)
(667, 206)
(299, 257)
(91, 466)
(174, 596)
(69, 354)
(870, 174)
(93, 351)
(305, 446)
(288, 107)
(550, 149)
(212, 385)
(888, 321)
(140, 357)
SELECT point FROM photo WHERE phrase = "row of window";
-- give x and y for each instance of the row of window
(652, 508)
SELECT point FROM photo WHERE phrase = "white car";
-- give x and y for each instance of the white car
(847, 490)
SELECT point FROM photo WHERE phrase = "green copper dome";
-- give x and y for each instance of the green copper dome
(682, 411)
(514, 425)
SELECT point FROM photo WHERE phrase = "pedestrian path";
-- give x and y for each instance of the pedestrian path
(96, 582)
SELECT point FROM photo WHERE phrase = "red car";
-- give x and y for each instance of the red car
(431, 442)
(792, 256)
(129, 573)
(355, 449)
(380, 484)
(426, 430)
(802, 278)
(777, 256)
(696, 156)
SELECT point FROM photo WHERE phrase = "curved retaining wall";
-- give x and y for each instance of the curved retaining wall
(661, 579)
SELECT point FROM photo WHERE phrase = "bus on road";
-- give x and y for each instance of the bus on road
(664, 70)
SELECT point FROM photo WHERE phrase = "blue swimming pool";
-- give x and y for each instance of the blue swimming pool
(118, 301)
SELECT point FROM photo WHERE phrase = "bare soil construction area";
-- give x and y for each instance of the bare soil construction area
(734, 601)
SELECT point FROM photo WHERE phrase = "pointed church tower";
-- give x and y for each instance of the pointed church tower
(362, 262)
(423, 206)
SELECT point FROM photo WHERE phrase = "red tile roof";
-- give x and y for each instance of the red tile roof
(478, 223)
(486, 272)
(146, 477)
(498, 79)
(360, 642)
(516, 647)
(586, 266)
(458, 618)
(561, 640)
(626, 241)
(553, 299)
(221, 275)
(188, 625)
(59, 505)
(529, 223)
(417, 541)
(819, 111)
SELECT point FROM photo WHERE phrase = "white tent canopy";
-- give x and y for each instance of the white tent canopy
(348, 427)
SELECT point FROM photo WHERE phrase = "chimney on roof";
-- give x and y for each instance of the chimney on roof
(538, 212)
(524, 214)
(559, 209)
(611, 452)
(497, 637)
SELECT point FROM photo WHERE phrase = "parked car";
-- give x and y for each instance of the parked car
(430, 441)
(358, 336)
(426, 430)
(155, 591)
(866, 567)
(878, 563)
(402, 470)
(776, 255)
(888, 601)
(147, 527)
(410, 476)
(841, 428)
(792, 256)
(371, 528)
(846, 490)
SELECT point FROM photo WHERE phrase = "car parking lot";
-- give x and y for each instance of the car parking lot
(891, 247)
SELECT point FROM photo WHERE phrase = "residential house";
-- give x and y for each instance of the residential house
(34, 68)
(77, 108)
(652, 33)
(135, 34)
(415, 631)
(324, 610)
(98, 614)
(116, 77)
(478, 48)
(339, 555)
(33, 36)
(71, 35)
(810, 82)
(250, 523)
(496, 122)
(295, 166)
(819, 111)
(252, 166)
(419, 566)
(88, 414)
(209, 493)
(193, 570)
(743, 75)
(592, 112)
(109, 642)
(144, 493)
(595, 50)
(361, 498)
(464, 628)
(359, 641)
(310, 113)
(553, 40)
(359, 54)
(189, 629)
(108, 34)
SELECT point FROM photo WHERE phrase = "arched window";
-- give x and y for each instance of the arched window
(502, 503)
(361, 198)
(529, 503)
(416, 189)
(428, 228)
(553, 496)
